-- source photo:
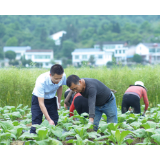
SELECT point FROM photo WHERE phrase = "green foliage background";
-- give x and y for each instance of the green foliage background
(83, 31)
(17, 84)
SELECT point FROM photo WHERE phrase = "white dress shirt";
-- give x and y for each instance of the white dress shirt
(45, 88)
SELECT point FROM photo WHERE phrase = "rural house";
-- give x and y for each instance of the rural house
(150, 52)
(57, 37)
(117, 48)
(83, 54)
(18, 50)
(40, 56)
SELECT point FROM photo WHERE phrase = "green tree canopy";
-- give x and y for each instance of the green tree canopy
(2, 30)
(92, 59)
(67, 48)
(12, 42)
(1, 53)
(10, 55)
(137, 58)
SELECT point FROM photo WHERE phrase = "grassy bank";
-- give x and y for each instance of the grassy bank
(16, 85)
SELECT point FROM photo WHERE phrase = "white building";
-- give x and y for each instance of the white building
(83, 54)
(57, 37)
(149, 52)
(40, 56)
(18, 50)
(118, 49)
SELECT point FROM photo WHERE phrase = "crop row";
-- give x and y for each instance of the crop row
(15, 123)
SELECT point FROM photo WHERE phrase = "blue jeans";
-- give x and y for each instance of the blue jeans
(110, 109)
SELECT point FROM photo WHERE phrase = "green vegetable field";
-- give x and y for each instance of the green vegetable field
(131, 129)
(16, 86)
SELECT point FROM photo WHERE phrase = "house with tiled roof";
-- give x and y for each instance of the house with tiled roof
(150, 52)
(40, 56)
(84, 54)
(19, 50)
(117, 48)
(57, 37)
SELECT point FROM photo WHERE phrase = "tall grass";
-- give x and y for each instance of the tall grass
(16, 85)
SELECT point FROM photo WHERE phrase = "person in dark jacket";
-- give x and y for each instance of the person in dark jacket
(100, 98)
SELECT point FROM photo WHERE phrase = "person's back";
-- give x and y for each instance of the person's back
(136, 89)
(96, 88)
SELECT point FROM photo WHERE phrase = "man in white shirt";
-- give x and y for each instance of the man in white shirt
(43, 98)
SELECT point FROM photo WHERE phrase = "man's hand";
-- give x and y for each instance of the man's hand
(91, 120)
(51, 122)
(143, 114)
(59, 106)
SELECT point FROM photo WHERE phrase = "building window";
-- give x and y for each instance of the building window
(97, 46)
(46, 64)
(18, 54)
(100, 56)
(123, 51)
(116, 51)
(84, 56)
(152, 50)
(29, 56)
(109, 46)
(76, 56)
(42, 56)
(158, 49)
(119, 51)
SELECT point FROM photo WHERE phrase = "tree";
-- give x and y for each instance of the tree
(24, 61)
(2, 30)
(116, 28)
(67, 48)
(66, 62)
(12, 42)
(1, 53)
(10, 55)
(14, 62)
(92, 59)
(137, 58)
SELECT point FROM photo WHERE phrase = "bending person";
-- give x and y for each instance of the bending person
(100, 98)
(132, 96)
(78, 102)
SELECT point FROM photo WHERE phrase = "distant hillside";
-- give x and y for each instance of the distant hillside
(82, 30)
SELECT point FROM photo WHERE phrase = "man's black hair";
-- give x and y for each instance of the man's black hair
(72, 79)
(56, 69)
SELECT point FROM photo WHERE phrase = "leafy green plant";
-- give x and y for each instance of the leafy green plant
(5, 138)
(136, 125)
(25, 136)
(49, 141)
(118, 138)
(6, 125)
(149, 124)
(14, 115)
(41, 133)
(156, 138)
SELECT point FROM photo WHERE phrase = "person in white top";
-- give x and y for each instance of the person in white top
(44, 100)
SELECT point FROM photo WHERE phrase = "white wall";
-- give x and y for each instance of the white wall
(45, 61)
(142, 50)
(98, 61)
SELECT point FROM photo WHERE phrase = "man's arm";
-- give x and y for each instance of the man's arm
(59, 95)
(145, 99)
(91, 104)
(44, 110)
(68, 97)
